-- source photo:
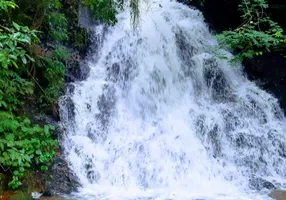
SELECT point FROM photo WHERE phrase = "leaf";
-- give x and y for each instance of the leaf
(278, 34)
(3, 103)
(26, 121)
(2, 57)
(22, 169)
(38, 152)
(30, 58)
(15, 64)
(5, 63)
(44, 168)
(1, 146)
(52, 127)
(47, 130)
(24, 60)
(16, 35)
(3, 37)
(16, 173)
(9, 137)
(17, 26)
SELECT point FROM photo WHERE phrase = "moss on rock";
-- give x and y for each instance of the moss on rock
(278, 194)
(20, 195)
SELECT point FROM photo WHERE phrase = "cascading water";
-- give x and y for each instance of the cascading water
(159, 117)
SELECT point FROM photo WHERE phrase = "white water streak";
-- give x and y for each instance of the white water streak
(159, 117)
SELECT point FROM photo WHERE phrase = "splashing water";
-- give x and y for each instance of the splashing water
(159, 117)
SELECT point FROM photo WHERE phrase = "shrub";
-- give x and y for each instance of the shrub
(22, 144)
(257, 34)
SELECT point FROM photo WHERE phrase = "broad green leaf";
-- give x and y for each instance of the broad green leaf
(24, 60)
(17, 26)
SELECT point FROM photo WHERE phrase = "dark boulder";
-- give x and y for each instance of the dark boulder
(269, 72)
(60, 179)
(259, 184)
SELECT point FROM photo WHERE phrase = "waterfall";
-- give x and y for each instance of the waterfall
(161, 117)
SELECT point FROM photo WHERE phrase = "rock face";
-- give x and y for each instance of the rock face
(270, 73)
(60, 180)
(259, 184)
(217, 11)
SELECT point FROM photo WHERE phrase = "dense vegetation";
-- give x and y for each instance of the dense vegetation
(106, 10)
(34, 37)
(33, 56)
(31, 73)
(257, 33)
(22, 144)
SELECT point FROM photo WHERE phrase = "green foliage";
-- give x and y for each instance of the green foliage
(61, 53)
(257, 34)
(134, 5)
(12, 42)
(252, 9)
(13, 53)
(4, 5)
(78, 38)
(29, 70)
(53, 72)
(54, 4)
(58, 26)
(103, 10)
(23, 145)
(53, 69)
(52, 65)
(106, 10)
(12, 89)
(47, 16)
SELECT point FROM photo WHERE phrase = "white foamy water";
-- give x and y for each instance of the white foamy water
(159, 117)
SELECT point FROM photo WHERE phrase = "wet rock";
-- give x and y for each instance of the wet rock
(259, 184)
(33, 183)
(105, 104)
(268, 71)
(76, 70)
(185, 50)
(21, 195)
(67, 115)
(278, 194)
(44, 119)
(217, 82)
(72, 72)
(61, 180)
